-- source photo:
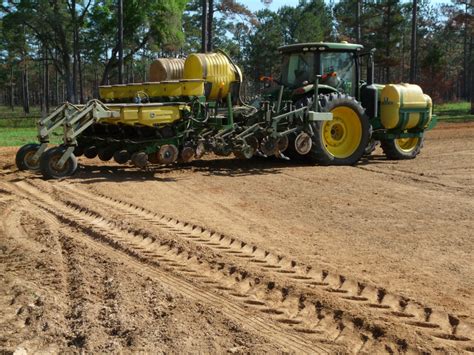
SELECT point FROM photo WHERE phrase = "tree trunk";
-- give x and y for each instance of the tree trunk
(12, 91)
(79, 67)
(46, 81)
(26, 90)
(145, 71)
(413, 52)
(56, 88)
(471, 48)
(95, 91)
(387, 38)
(464, 89)
(204, 23)
(120, 41)
(358, 30)
(68, 80)
(74, 51)
(210, 23)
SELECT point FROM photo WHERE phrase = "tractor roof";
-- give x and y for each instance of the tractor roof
(321, 46)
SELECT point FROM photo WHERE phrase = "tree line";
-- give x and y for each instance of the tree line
(57, 50)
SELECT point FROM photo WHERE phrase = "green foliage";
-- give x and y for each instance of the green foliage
(310, 21)
(32, 30)
(454, 112)
(17, 129)
(263, 44)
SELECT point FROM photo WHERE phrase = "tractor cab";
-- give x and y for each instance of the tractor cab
(336, 65)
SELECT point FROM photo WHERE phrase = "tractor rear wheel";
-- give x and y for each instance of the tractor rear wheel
(341, 141)
(402, 148)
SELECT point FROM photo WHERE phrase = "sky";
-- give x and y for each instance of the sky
(276, 4)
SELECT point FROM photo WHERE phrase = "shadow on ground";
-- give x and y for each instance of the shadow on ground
(89, 174)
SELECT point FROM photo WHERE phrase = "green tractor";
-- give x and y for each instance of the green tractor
(364, 113)
(320, 110)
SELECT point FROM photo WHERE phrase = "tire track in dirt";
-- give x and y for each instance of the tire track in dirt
(417, 178)
(31, 255)
(114, 241)
(62, 274)
(12, 217)
(403, 312)
(76, 290)
(398, 308)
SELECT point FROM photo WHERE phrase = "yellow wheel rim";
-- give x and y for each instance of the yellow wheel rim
(343, 134)
(407, 144)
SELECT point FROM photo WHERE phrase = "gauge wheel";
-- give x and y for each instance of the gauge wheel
(49, 167)
(24, 158)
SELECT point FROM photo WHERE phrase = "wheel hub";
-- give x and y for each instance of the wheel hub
(335, 132)
(54, 164)
(29, 159)
(407, 144)
(342, 135)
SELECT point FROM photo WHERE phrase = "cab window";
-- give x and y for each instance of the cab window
(298, 68)
(338, 71)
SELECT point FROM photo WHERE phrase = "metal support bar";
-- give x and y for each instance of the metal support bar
(71, 134)
(96, 109)
(316, 93)
(40, 151)
(319, 116)
(250, 129)
(280, 117)
(289, 131)
(229, 109)
(57, 118)
(65, 157)
(280, 96)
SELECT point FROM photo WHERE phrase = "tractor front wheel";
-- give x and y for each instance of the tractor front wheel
(343, 140)
(402, 148)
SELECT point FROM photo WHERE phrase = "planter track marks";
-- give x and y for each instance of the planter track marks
(396, 308)
(141, 252)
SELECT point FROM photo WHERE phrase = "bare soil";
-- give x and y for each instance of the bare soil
(223, 255)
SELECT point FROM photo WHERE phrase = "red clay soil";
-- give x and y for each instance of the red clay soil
(243, 256)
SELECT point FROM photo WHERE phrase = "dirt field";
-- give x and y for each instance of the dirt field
(257, 256)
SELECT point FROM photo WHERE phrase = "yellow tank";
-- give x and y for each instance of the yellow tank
(166, 69)
(404, 106)
(215, 69)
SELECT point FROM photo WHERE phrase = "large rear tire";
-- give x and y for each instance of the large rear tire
(343, 140)
(24, 157)
(402, 148)
(49, 160)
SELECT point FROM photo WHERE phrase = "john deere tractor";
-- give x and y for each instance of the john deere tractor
(320, 109)
(364, 113)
